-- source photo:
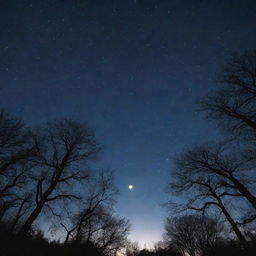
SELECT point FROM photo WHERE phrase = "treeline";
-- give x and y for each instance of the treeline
(46, 184)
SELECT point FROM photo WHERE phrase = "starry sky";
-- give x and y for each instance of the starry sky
(133, 70)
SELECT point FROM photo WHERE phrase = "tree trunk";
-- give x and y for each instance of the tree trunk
(35, 213)
(245, 192)
(233, 224)
(28, 223)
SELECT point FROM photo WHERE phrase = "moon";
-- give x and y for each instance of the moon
(130, 187)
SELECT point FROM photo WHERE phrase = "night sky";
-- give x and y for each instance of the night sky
(133, 70)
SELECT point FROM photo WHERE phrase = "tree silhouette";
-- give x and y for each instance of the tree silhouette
(17, 149)
(234, 102)
(192, 234)
(96, 223)
(228, 170)
(201, 173)
(221, 176)
(64, 147)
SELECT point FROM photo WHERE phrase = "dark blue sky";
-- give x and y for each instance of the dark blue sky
(133, 70)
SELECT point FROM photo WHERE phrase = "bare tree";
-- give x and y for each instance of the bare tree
(110, 232)
(192, 234)
(221, 175)
(100, 193)
(64, 148)
(201, 176)
(234, 102)
(17, 147)
(96, 223)
(228, 171)
(101, 228)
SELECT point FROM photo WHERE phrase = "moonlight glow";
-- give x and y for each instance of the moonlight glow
(130, 187)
